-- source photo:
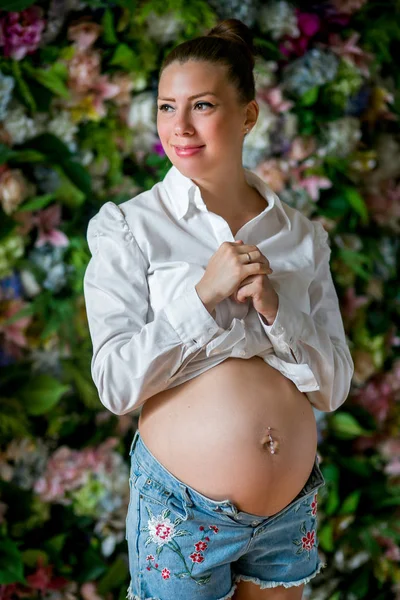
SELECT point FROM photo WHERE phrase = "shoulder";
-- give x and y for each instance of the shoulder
(304, 225)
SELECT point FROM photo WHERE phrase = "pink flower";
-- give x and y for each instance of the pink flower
(376, 398)
(301, 148)
(84, 33)
(349, 50)
(308, 540)
(272, 173)
(163, 531)
(69, 469)
(20, 32)
(384, 204)
(313, 184)
(165, 573)
(200, 546)
(89, 591)
(273, 96)
(314, 505)
(214, 528)
(13, 334)
(43, 579)
(197, 557)
(348, 6)
(47, 220)
(351, 302)
(83, 71)
(308, 24)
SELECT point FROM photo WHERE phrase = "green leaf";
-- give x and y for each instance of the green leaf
(125, 58)
(310, 97)
(36, 203)
(356, 201)
(78, 175)
(53, 78)
(51, 146)
(41, 393)
(6, 154)
(30, 557)
(345, 426)
(15, 5)
(55, 544)
(349, 504)
(109, 35)
(115, 576)
(355, 260)
(11, 565)
(325, 536)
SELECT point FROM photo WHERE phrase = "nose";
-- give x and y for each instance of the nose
(183, 124)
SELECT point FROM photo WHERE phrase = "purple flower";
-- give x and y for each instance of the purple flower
(20, 32)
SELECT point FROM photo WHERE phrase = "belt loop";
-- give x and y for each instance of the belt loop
(185, 495)
(134, 441)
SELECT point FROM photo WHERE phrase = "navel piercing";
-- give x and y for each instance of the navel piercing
(272, 444)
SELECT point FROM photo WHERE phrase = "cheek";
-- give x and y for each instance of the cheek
(162, 129)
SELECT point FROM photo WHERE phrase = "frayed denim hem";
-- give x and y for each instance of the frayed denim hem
(131, 596)
(274, 584)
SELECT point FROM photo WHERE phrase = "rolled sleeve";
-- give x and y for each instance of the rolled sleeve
(134, 359)
(191, 320)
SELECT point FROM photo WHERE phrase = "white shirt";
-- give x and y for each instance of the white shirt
(150, 330)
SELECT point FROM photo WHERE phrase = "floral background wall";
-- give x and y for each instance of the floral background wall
(78, 82)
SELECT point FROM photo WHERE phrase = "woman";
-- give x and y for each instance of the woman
(211, 309)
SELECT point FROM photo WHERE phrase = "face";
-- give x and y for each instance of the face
(214, 120)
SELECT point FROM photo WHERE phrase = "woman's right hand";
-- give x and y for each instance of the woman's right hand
(227, 268)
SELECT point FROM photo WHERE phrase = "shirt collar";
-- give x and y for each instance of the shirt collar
(181, 190)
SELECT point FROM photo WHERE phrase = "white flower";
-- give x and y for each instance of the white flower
(142, 120)
(259, 135)
(278, 19)
(19, 125)
(161, 529)
(264, 73)
(163, 28)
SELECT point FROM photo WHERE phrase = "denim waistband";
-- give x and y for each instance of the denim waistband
(191, 497)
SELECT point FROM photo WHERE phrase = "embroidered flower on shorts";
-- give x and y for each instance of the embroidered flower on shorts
(307, 541)
(164, 533)
(161, 529)
(314, 505)
(196, 557)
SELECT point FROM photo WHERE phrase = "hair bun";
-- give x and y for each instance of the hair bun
(234, 30)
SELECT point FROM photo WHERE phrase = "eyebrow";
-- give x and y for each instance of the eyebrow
(190, 97)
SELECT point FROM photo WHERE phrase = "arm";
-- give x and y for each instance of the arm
(133, 360)
(316, 340)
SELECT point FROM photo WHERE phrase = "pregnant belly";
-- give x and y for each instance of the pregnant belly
(211, 433)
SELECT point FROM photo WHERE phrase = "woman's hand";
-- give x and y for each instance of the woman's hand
(259, 289)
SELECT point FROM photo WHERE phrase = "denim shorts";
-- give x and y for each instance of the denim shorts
(182, 544)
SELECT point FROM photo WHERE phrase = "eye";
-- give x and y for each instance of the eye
(163, 107)
(205, 104)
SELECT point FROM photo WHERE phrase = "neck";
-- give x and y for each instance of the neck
(226, 193)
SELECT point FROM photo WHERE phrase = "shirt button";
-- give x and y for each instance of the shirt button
(242, 353)
(211, 329)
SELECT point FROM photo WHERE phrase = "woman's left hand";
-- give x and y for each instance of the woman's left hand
(260, 290)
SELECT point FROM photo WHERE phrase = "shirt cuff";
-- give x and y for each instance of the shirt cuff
(288, 323)
(191, 320)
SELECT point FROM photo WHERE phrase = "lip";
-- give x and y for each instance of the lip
(188, 147)
(187, 151)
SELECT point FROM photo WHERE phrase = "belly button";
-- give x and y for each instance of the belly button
(272, 444)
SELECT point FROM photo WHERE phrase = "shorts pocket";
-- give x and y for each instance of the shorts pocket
(158, 494)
